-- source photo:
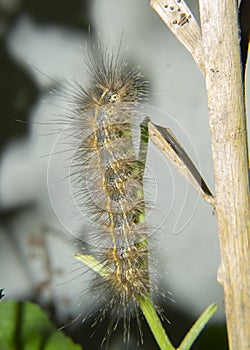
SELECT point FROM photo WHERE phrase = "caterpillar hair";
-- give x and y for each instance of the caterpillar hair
(108, 174)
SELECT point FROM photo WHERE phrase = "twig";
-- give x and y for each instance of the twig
(166, 141)
(180, 20)
(227, 120)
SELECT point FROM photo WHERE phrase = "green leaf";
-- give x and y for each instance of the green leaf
(154, 323)
(196, 329)
(24, 326)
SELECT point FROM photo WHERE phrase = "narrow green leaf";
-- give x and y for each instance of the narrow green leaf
(143, 141)
(155, 324)
(196, 329)
(93, 264)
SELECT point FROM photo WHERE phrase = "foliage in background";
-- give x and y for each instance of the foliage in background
(24, 326)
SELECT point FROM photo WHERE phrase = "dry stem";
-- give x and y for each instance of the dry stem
(227, 117)
(227, 120)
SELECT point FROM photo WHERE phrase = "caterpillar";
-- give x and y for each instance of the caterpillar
(108, 173)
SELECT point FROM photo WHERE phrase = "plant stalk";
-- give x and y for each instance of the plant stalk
(228, 128)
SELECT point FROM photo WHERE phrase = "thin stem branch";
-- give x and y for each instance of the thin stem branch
(221, 67)
(227, 118)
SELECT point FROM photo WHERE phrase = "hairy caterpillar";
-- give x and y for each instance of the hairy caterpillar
(107, 174)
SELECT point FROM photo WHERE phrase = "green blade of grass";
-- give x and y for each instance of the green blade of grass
(155, 324)
(198, 326)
